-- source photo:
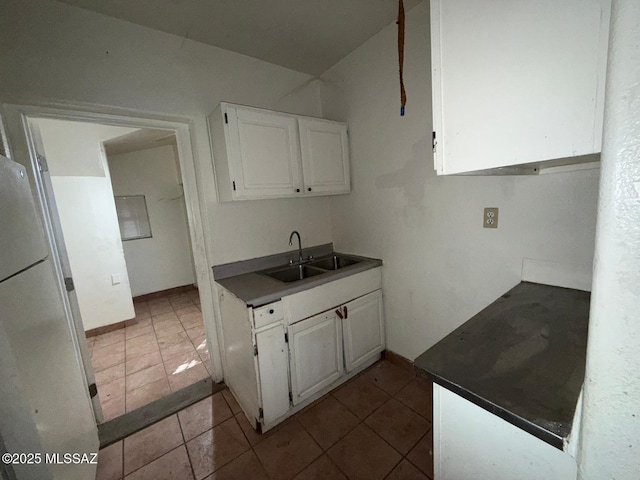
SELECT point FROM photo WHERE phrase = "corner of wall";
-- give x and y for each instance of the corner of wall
(305, 99)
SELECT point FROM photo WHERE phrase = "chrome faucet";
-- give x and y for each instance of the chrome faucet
(301, 259)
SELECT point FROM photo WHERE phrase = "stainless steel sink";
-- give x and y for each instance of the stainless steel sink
(294, 273)
(334, 262)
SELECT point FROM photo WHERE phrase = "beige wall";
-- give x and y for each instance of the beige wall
(441, 266)
(163, 261)
(84, 197)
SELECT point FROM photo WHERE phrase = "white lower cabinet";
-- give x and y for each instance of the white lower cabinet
(470, 442)
(315, 355)
(362, 330)
(273, 378)
(284, 355)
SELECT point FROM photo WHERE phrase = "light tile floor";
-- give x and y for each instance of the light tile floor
(165, 351)
(377, 426)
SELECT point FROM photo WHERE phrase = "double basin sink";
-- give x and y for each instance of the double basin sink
(297, 272)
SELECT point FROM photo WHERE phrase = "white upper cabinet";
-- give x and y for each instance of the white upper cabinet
(256, 153)
(325, 156)
(266, 148)
(517, 82)
(261, 154)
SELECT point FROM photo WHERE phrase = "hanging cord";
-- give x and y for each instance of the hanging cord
(403, 93)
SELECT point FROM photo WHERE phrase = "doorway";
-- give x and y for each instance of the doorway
(192, 318)
(121, 206)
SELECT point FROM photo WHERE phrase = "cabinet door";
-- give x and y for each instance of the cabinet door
(273, 373)
(517, 82)
(325, 156)
(363, 329)
(315, 349)
(264, 154)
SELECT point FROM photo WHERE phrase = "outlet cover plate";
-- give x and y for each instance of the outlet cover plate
(490, 218)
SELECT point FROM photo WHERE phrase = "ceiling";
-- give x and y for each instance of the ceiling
(304, 35)
(138, 140)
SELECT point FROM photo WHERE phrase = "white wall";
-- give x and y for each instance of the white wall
(163, 261)
(441, 266)
(53, 52)
(84, 197)
(610, 443)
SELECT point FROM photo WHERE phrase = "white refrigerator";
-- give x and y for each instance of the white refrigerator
(44, 403)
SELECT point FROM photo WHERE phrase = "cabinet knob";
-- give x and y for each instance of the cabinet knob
(297, 190)
(271, 311)
(309, 189)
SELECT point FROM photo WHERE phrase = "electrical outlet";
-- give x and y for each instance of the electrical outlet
(490, 219)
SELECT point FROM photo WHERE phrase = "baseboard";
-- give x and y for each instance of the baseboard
(142, 298)
(406, 364)
(164, 293)
(398, 360)
(110, 328)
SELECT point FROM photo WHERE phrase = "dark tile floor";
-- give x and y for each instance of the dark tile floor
(377, 426)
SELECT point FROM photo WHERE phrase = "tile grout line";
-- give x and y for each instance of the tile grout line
(322, 450)
(125, 389)
(305, 429)
(153, 460)
(402, 456)
(166, 373)
(362, 421)
(325, 451)
(122, 447)
(126, 375)
(154, 331)
(409, 460)
(184, 442)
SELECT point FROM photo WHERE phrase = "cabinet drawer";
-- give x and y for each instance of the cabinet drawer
(324, 297)
(267, 314)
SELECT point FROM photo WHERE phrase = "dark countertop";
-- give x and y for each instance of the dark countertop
(245, 281)
(521, 358)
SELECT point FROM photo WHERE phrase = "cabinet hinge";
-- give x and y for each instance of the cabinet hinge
(261, 413)
(93, 390)
(226, 119)
(234, 185)
(291, 397)
(286, 337)
(42, 164)
(255, 350)
(68, 284)
(434, 142)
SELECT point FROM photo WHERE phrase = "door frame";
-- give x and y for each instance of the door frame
(198, 223)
